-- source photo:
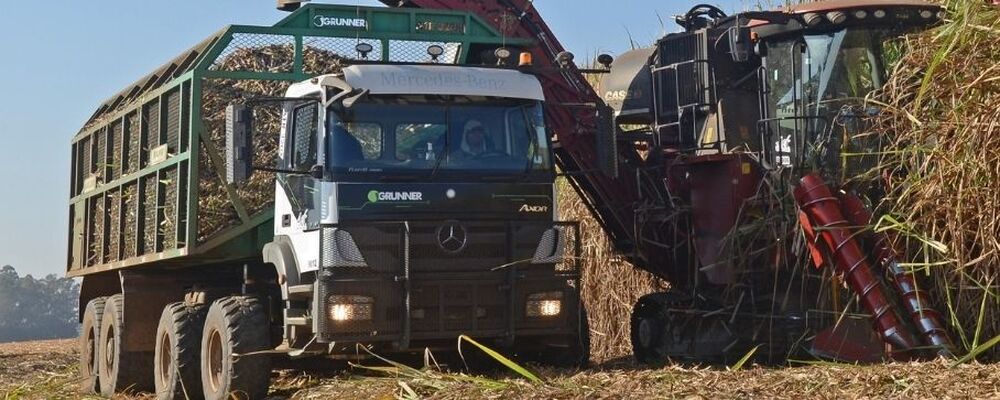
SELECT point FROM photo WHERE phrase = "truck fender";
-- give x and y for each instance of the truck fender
(98, 285)
(279, 253)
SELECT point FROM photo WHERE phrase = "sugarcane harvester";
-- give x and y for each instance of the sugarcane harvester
(692, 153)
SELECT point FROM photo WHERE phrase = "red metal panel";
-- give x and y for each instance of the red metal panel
(720, 185)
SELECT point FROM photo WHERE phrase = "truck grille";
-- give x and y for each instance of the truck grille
(488, 245)
(450, 292)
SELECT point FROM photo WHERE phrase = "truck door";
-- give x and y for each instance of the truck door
(297, 193)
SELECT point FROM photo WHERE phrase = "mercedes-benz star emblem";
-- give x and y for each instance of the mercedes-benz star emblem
(452, 237)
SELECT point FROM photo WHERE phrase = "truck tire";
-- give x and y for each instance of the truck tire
(177, 359)
(120, 370)
(90, 340)
(235, 327)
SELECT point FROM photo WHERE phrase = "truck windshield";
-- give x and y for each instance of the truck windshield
(814, 82)
(397, 136)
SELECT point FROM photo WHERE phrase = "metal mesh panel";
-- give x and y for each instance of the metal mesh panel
(379, 245)
(133, 144)
(416, 51)
(100, 158)
(304, 150)
(168, 218)
(185, 117)
(383, 250)
(182, 214)
(173, 100)
(572, 241)
(80, 160)
(149, 206)
(257, 52)
(151, 123)
(129, 200)
(95, 230)
(458, 307)
(116, 150)
(339, 250)
(323, 55)
(486, 247)
(215, 211)
(386, 308)
(111, 244)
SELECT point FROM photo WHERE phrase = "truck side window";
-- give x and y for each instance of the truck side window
(301, 188)
(303, 138)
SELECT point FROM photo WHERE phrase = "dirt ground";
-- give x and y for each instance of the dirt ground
(47, 370)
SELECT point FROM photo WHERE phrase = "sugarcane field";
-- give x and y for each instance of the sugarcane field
(516, 199)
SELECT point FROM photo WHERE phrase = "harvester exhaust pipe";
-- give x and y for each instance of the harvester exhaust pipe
(823, 211)
(926, 319)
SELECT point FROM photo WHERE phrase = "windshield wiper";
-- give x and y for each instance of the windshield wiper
(447, 141)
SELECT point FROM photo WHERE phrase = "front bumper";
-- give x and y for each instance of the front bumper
(423, 293)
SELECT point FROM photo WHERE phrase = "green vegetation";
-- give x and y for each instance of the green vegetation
(36, 308)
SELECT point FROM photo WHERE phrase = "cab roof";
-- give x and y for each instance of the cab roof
(392, 79)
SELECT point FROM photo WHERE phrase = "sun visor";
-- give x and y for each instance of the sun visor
(628, 88)
(444, 80)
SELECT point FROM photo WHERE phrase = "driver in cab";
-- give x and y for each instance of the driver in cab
(474, 143)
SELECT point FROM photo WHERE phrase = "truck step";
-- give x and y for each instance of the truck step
(297, 316)
(300, 292)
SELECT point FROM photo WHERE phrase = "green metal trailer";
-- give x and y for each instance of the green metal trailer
(147, 183)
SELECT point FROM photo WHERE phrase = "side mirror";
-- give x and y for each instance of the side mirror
(239, 143)
(607, 142)
(740, 42)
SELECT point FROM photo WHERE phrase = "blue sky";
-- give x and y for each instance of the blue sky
(60, 58)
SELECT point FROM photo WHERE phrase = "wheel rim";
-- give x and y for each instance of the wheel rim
(646, 333)
(109, 350)
(166, 360)
(91, 352)
(215, 360)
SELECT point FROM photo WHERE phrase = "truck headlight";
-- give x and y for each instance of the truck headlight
(351, 308)
(544, 304)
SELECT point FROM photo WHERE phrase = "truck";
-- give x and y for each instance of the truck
(348, 181)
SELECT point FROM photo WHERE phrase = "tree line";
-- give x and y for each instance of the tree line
(33, 308)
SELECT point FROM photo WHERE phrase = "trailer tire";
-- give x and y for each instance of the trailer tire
(90, 344)
(177, 359)
(120, 370)
(235, 327)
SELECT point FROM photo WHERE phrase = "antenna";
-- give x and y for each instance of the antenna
(290, 5)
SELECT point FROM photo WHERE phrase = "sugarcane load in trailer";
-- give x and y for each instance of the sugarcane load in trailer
(349, 180)
(720, 161)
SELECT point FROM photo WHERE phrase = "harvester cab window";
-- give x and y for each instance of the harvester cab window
(813, 81)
